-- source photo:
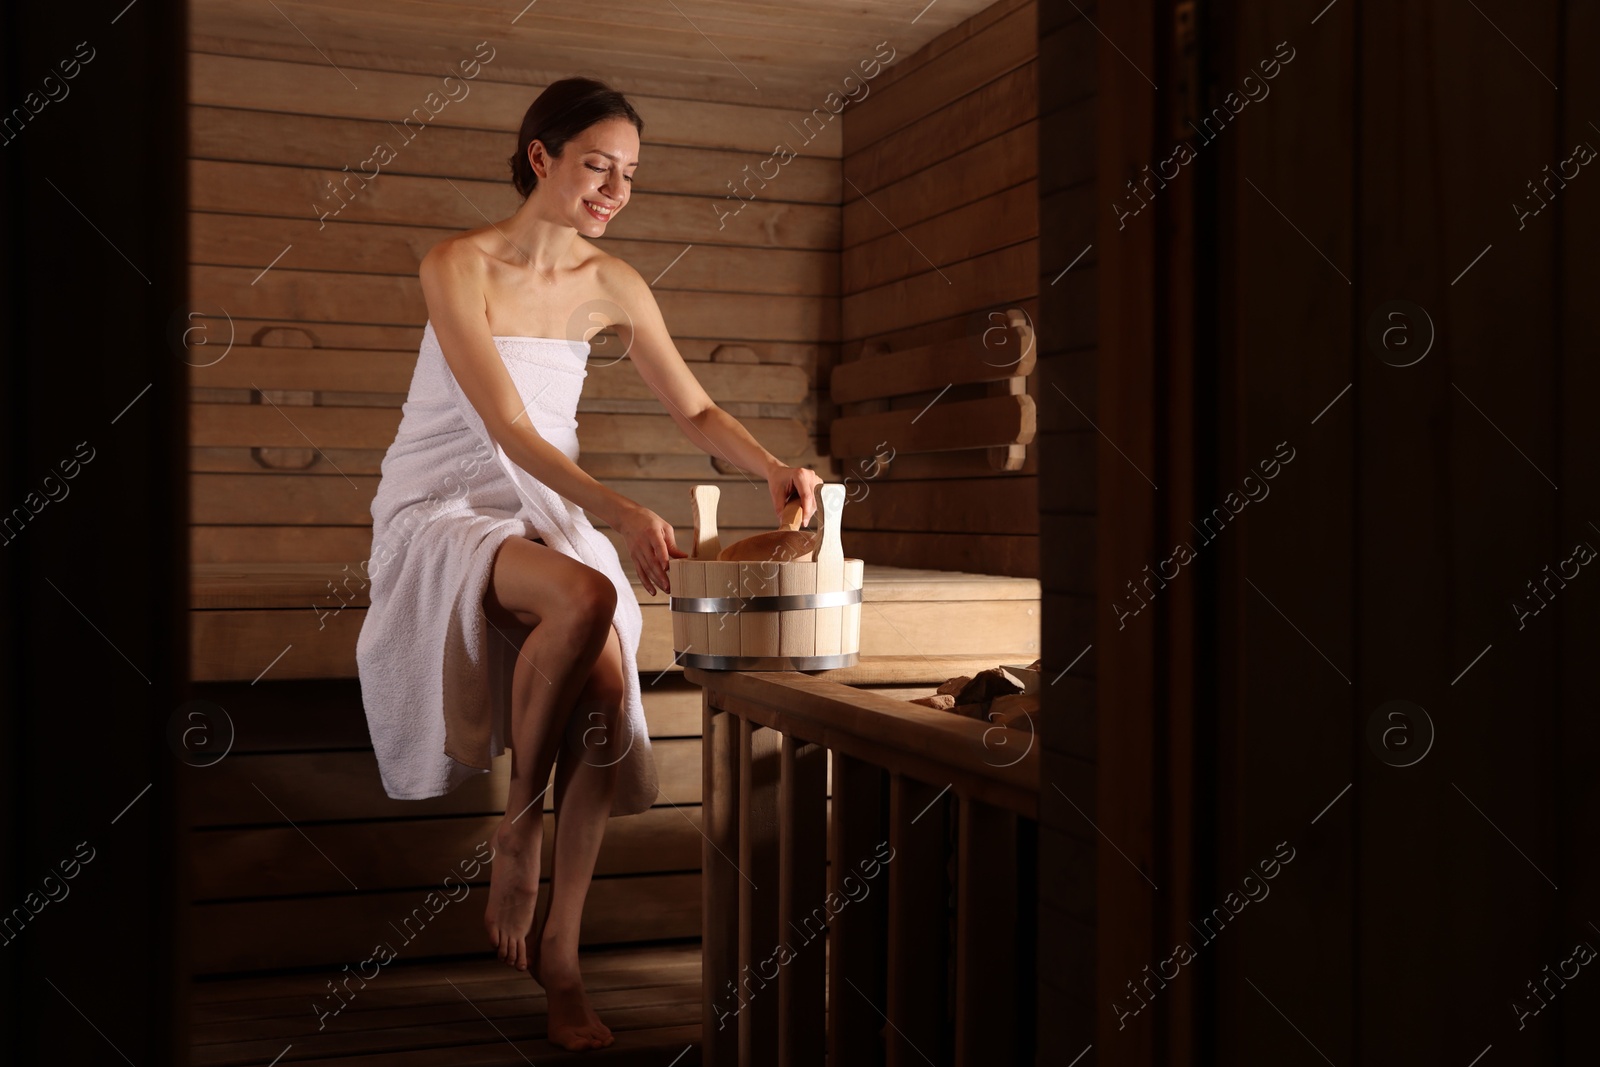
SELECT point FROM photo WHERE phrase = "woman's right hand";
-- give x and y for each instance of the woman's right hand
(652, 544)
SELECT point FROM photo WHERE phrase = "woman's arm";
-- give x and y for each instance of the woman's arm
(452, 277)
(644, 337)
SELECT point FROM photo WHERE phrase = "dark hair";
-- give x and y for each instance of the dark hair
(565, 109)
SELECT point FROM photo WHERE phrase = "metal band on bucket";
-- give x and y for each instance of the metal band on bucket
(789, 602)
(767, 663)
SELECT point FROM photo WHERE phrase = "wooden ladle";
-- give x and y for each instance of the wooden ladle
(787, 544)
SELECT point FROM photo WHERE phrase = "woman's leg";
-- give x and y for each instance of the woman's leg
(586, 774)
(569, 607)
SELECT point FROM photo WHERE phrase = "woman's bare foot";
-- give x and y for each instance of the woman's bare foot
(573, 1025)
(513, 893)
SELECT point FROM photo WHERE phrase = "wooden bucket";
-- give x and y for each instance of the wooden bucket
(768, 615)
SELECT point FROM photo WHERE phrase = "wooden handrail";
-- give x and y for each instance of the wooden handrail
(926, 807)
(994, 764)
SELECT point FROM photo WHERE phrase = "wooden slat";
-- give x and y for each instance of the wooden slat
(258, 367)
(395, 854)
(249, 135)
(760, 632)
(794, 54)
(951, 38)
(857, 950)
(278, 499)
(1005, 217)
(797, 629)
(720, 887)
(604, 466)
(945, 466)
(452, 1048)
(973, 174)
(286, 426)
(319, 89)
(403, 1009)
(221, 1001)
(953, 322)
(301, 715)
(804, 911)
(345, 334)
(278, 543)
(990, 506)
(320, 643)
(986, 1013)
(331, 931)
(759, 933)
(1002, 104)
(324, 587)
(995, 50)
(286, 292)
(1006, 352)
(956, 425)
(1008, 275)
(850, 617)
(917, 934)
(297, 193)
(1016, 555)
(344, 245)
(313, 787)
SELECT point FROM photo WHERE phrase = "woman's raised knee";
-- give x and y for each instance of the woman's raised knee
(593, 604)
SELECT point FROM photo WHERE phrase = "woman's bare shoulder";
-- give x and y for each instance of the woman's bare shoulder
(618, 281)
(458, 251)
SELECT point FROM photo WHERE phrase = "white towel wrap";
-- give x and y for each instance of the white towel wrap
(435, 675)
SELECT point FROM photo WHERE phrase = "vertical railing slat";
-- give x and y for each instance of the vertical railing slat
(802, 903)
(918, 921)
(986, 925)
(719, 886)
(857, 950)
(758, 892)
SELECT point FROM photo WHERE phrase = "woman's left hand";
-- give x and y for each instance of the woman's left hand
(790, 481)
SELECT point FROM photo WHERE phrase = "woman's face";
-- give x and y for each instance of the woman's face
(592, 180)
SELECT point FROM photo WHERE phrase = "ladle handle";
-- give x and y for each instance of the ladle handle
(703, 503)
(792, 511)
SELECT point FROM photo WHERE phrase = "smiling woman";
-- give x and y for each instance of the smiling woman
(505, 618)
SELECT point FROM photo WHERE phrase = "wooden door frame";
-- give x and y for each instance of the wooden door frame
(1153, 833)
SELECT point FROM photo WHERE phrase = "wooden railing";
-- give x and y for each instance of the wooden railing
(897, 927)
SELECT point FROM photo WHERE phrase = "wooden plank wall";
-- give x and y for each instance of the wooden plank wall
(1069, 209)
(941, 223)
(289, 427)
